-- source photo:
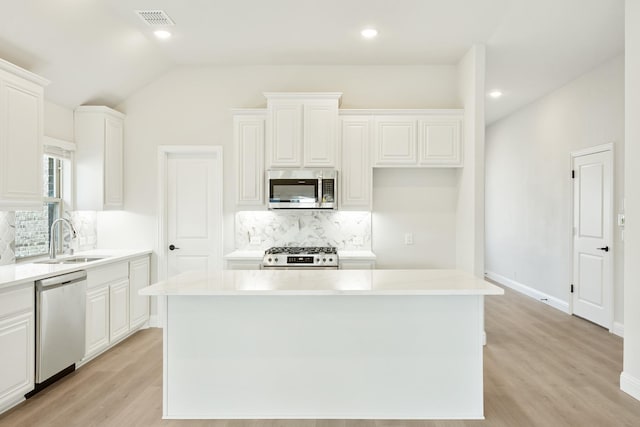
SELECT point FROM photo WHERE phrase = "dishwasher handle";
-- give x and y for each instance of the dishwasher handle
(64, 279)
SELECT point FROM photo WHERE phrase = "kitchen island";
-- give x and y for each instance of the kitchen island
(366, 344)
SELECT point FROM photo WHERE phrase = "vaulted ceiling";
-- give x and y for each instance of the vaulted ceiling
(100, 51)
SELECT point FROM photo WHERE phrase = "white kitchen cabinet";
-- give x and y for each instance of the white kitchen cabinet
(440, 141)
(249, 128)
(138, 304)
(418, 138)
(21, 133)
(237, 264)
(395, 140)
(355, 264)
(99, 133)
(17, 343)
(355, 174)
(97, 321)
(118, 309)
(302, 129)
(107, 307)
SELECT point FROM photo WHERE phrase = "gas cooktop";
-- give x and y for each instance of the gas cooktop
(301, 257)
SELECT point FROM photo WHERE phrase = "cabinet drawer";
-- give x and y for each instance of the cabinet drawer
(110, 273)
(17, 299)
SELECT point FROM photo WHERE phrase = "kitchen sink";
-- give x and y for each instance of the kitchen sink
(71, 260)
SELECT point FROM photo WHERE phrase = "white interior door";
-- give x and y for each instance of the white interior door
(592, 240)
(194, 212)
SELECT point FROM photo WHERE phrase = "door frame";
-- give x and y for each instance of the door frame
(164, 151)
(610, 291)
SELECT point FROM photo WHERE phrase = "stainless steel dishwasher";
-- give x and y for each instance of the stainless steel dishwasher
(60, 325)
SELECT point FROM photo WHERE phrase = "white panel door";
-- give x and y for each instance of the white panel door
(97, 322)
(17, 367)
(592, 251)
(194, 212)
(138, 304)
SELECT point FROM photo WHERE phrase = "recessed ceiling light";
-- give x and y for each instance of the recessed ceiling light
(162, 34)
(369, 33)
(495, 94)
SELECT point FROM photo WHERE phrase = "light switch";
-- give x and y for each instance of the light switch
(408, 239)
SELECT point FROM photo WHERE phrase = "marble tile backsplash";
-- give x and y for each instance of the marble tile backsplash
(7, 238)
(346, 230)
(85, 223)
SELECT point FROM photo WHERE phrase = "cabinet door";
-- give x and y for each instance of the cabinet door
(249, 141)
(440, 141)
(138, 304)
(18, 353)
(357, 265)
(395, 141)
(243, 264)
(118, 309)
(20, 143)
(97, 322)
(113, 164)
(356, 162)
(320, 133)
(284, 137)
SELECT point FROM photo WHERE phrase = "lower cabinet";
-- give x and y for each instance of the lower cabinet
(118, 309)
(114, 308)
(139, 277)
(239, 264)
(97, 323)
(17, 343)
(356, 264)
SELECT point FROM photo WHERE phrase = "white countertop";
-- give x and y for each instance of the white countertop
(324, 282)
(249, 255)
(15, 274)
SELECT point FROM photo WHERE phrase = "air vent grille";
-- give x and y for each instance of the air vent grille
(155, 18)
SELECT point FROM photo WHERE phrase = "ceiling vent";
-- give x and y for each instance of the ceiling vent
(155, 18)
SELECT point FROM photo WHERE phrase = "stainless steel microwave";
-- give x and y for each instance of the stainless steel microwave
(302, 189)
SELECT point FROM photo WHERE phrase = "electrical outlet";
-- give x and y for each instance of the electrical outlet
(408, 238)
(358, 240)
(255, 240)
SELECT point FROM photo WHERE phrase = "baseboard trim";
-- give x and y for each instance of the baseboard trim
(618, 329)
(529, 291)
(630, 385)
(153, 321)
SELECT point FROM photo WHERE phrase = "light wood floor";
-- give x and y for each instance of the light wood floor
(542, 368)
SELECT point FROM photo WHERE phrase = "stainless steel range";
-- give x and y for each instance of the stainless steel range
(313, 257)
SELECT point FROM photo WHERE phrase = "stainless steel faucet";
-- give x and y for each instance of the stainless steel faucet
(52, 240)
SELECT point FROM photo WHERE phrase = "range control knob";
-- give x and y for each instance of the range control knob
(276, 259)
(330, 259)
(269, 260)
(317, 259)
(324, 259)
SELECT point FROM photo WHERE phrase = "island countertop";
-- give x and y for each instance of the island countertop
(324, 282)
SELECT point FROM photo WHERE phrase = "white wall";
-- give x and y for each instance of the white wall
(470, 208)
(421, 202)
(528, 185)
(191, 105)
(630, 378)
(58, 121)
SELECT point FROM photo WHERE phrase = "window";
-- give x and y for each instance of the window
(32, 227)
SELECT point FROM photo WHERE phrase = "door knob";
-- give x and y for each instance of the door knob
(606, 249)
(173, 247)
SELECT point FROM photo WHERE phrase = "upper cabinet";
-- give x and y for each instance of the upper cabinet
(430, 138)
(302, 129)
(21, 133)
(99, 133)
(355, 178)
(248, 134)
